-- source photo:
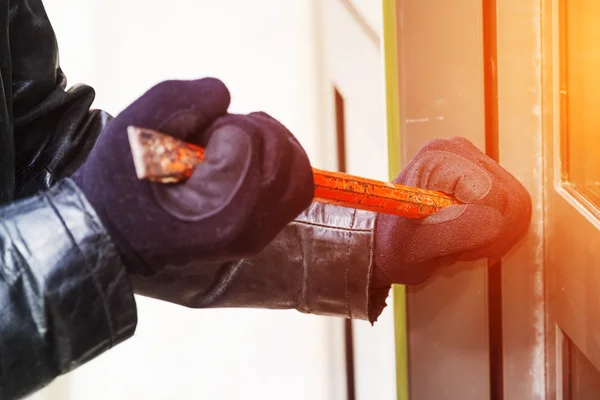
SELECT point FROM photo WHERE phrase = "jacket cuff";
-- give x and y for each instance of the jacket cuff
(79, 292)
(321, 263)
(116, 309)
(337, 246)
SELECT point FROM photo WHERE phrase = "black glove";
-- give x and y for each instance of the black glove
(256, 178)
(495, 215)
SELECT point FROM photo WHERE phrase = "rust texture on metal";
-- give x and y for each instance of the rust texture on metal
(162, 158)
(368, 194)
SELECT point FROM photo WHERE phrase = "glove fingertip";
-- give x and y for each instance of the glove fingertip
(217, 91)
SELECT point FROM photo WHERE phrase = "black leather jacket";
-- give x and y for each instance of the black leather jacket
(65, 297)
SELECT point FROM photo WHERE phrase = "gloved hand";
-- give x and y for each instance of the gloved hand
(494, 217)
(256, 178)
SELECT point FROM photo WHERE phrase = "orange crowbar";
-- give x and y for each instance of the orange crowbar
(161, 158)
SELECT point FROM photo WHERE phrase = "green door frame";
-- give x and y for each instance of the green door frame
(393, 110)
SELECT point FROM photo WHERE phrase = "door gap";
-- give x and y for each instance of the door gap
(340, 128)
(490, 59)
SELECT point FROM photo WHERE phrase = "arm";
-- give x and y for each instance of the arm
(53, 128)
(223, 238)
(64, 294)
(337, 261)
(321, 263)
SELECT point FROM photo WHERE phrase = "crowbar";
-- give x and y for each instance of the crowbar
(161, 158)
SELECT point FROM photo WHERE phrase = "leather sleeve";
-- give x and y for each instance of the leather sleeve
(64, 295)
(321, 263)
(53, 127)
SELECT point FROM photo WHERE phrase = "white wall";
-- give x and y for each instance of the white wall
(264, 51)
(372, 12)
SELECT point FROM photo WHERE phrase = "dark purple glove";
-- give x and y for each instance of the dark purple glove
(256, 178)
(495, 216)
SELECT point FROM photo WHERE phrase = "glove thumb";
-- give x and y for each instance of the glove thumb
(408, 251)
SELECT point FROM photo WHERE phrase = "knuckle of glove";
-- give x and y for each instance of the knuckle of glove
(189, 91)
(275, 183)
(207, 98)
(287, 173)
(456, 167)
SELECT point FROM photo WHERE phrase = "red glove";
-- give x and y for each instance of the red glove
(494, 217)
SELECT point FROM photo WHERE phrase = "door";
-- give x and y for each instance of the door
(525, 72)
(572, 143)
(548, 58)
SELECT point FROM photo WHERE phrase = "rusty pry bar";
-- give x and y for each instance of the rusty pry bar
(161, 158)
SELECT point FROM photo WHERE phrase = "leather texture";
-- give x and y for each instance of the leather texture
(64, 296)
(46, 131)
(319, 264)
